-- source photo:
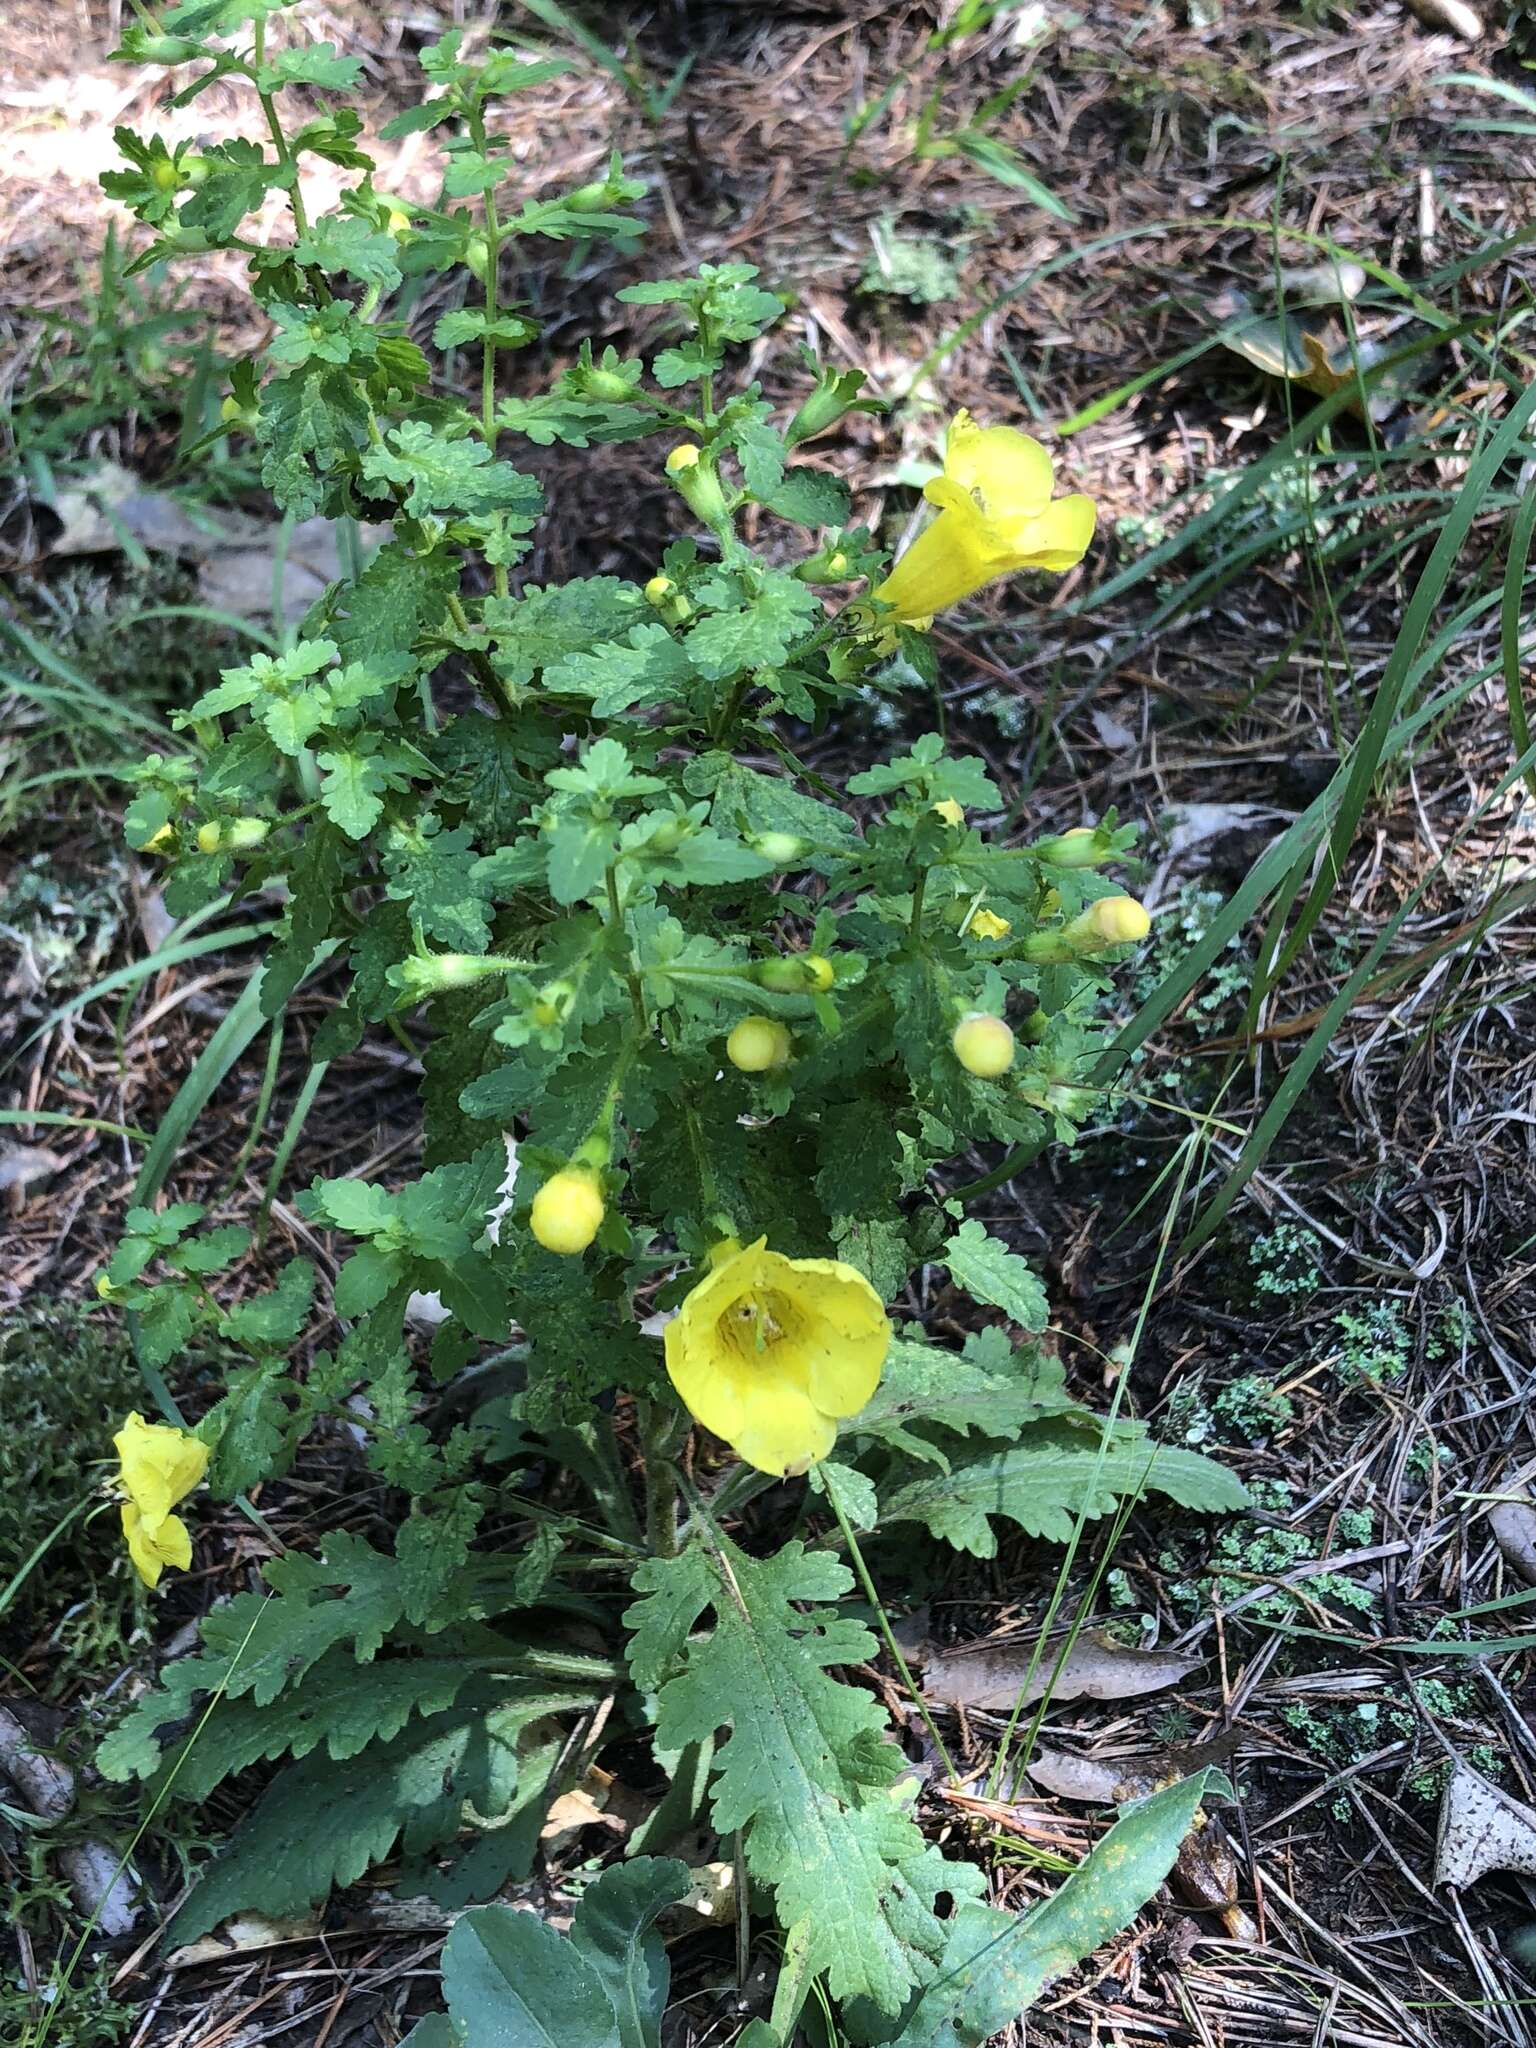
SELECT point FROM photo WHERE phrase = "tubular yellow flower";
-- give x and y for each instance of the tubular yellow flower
(159, 1466)
(768, 1352)
(996, 515)
(986, 924)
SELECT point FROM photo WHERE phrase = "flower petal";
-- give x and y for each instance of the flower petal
(950, 558)
(153, 1548)
(782, 1431)
(709, 1383)
(1009, 471)
(844, 1337)
(1058, 539)
(160, 1465)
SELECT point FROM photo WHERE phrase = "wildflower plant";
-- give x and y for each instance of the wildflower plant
(705, 1041)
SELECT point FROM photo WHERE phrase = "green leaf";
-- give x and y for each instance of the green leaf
(512, 1982)
(922, 1387)
(322, 1823)
(252, 1425)
(647, 668)
(433, 870)
(352, 786)
(859, 1149)
(810, 497)
(805, 1771)
(990, 1273)
(543, 626)
(685, 364)
(1053, 1474)
(996, 1965)
(614, 1931)
(275, 1318)
(440, 475)
(759, 633)
(347, 244)
(310, 64)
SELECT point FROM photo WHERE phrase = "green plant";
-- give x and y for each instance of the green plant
(670, 1005)
(1286, 1262)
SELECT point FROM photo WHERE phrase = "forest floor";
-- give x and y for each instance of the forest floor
(1356, 1332)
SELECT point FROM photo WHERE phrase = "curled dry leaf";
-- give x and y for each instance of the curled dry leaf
(1096, 1668)
(1482, 1829)
(241, 1935)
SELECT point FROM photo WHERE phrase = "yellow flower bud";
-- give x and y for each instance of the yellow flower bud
(658, 590)
(163, 841)
(210, 837)
(1119, 920)
(983, 1045)
(567, 1211)
(684, 456)
(165, 177)
(779, 847)
(819, 972)
(758, 1045)
(950, 811)
(986, 924)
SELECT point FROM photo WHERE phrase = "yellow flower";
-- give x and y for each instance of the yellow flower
(767, 1352)
(996, 515)
(159, 1467)
(949, 811)
(986, 924)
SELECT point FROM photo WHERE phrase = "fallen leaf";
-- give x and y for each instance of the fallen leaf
(1455, 15)
(240, 1935)
(1096, 1668)
(1482, 1829)
(101, 1887)
(242, 579)
(1184, 825)
(1513, 1527)
(23, 1167)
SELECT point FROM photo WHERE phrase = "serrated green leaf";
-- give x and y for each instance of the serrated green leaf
(346, 244)
(252, 1425)
(322, 1823)
(804, 1771)
(758, 634)
(922, 1387)
(1052, 1475)
(648, 667)
(810, 497)
(440, 475)
(992, 1274)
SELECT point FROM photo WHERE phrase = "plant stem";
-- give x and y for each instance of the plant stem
(285, 155)
(631, 974)
(656, 1428)
(829, 1487)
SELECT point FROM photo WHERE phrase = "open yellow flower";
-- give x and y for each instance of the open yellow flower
(767, 1352)
(996, 515)
(159, 1467)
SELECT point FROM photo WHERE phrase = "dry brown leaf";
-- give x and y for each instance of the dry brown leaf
(1482, 1829)
(22, 1167)
(242, 1934)
(1096, 1668)
(1513, 1526)
(1454, 15)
